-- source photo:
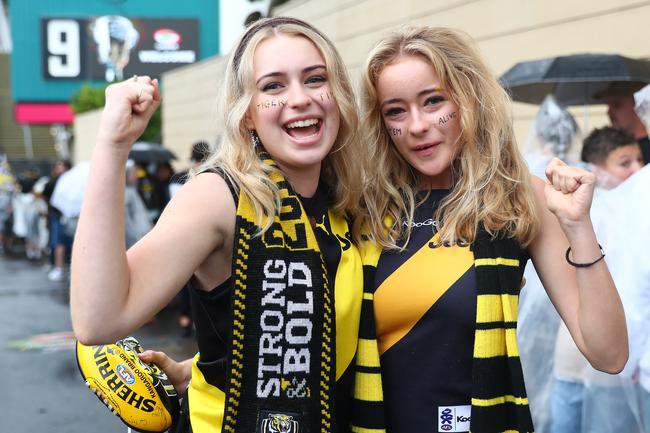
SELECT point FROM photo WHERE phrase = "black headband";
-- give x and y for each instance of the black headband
(262, 24)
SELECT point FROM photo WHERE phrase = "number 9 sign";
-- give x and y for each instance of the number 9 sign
(62, 48)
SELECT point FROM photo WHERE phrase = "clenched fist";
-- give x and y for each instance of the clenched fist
(569, 192)
(129, 106)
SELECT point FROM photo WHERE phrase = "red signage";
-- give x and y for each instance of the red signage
(43, 113)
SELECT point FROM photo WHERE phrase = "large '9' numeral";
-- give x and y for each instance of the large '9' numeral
(63, 45)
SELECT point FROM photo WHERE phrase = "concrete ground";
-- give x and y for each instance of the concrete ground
(44, 391)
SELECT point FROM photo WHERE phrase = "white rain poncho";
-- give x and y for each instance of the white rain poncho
(554, 133)
(642, 105)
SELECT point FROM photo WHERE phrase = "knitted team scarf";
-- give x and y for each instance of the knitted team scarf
(499, 401)
(281, 372)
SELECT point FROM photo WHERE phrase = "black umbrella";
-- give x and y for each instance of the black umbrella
(576, 80)
(143, 151)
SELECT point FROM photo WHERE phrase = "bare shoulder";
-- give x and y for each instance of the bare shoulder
(538, 186)
(206, 200)
(545, 215)
(198, 223)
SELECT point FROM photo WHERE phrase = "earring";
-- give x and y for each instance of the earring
(255, 139)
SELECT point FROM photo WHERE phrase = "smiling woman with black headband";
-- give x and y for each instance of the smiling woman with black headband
(276, 281)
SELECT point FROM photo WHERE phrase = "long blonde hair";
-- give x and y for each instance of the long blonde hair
(239, 160)
(491, 183)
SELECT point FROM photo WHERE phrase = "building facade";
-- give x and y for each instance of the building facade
(507, 32)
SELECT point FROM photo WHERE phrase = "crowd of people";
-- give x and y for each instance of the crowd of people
(31, 226)
(361, 269)
(41, 230)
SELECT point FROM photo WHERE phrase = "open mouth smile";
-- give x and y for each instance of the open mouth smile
(303, 128)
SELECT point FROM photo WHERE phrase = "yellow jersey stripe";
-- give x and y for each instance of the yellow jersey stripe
(499, 400)
(430, 273)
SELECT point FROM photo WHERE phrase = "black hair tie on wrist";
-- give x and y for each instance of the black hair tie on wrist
(584, 265)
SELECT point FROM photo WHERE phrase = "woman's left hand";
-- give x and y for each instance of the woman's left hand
(569, 192)
(178, 373)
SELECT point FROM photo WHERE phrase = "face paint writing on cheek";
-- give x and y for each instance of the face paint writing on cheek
(271, 104)
(326, 96)
(395, 131)
(446, 118)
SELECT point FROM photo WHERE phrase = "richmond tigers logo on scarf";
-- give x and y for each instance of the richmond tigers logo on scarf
(279, 423)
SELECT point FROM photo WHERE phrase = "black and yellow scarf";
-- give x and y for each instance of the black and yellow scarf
(499, 401)
(281, 365)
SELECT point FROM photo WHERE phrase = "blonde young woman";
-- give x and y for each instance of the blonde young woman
(464, 215)
(260, 233)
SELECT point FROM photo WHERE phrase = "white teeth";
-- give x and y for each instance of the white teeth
(302, 123)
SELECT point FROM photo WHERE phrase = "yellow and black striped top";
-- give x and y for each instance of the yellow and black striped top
(425, 303)
(446, 324)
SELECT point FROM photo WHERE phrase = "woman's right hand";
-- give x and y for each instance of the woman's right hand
(179, 373)
(129, 106)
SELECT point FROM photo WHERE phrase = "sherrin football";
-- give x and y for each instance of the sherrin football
(137, 392)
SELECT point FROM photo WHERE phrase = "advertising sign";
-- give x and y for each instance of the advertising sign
(112, 47)
(61, 45)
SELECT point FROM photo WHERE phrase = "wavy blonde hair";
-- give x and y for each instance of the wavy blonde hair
(239, 160)
(491, 183)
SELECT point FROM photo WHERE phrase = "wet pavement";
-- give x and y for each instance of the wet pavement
(43, 388)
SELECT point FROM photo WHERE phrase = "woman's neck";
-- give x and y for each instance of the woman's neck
(442, 181)
(304, 182)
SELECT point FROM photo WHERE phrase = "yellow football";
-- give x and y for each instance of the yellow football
(138, 392)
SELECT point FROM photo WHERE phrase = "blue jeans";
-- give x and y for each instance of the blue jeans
(607, 409)
(566, 406)
(58, 236)
(645, 409)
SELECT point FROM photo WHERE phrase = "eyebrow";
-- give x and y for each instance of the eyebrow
(279, 74)
(420, 93)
